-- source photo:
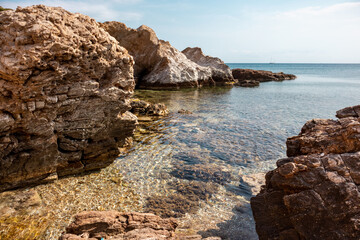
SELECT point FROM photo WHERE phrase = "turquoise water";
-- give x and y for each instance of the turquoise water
(233, 133)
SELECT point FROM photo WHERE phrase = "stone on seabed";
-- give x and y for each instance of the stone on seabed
(64, 90)
(314, 193)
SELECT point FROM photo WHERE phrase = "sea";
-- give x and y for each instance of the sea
(203, 167)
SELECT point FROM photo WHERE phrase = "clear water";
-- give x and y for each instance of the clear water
(203, 167)
(232, 134)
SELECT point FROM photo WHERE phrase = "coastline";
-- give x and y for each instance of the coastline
(201, 163)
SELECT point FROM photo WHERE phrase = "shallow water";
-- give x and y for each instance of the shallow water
(232, 133)
(203, 167)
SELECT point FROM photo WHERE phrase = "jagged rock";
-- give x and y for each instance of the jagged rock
(326, 136)
(221, 72)
(158, 65)
(64, 86)
(146, 108)
(116, 225)
(315, 192)
(349, 112)
(260, 75)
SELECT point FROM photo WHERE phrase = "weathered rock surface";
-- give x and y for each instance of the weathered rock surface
(142, 107)
(260, 75)
(326, 136)
(64, 90)
(158, 65)
(116, 225)
(315, 192)
(221, 73)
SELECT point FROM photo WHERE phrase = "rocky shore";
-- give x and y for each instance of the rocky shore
(66, 84)
(314, 193)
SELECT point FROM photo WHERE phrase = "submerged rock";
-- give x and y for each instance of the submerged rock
(142, 107)
(158, 65)
(64, 86)
(183, 111)
(314, 193)
(247, 83)
(185, 200)
(243, 75)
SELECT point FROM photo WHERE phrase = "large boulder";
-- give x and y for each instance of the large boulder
(158, 65)
(220, 72)
(315, 192)
(260, 75)
(64, 90)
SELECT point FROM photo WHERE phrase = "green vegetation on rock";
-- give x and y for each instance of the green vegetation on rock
(4, 9)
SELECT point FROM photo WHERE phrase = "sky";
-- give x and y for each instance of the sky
(243, 31)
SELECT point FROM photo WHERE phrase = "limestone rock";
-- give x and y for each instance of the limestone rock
(260, 75)
(116, 225)
(158, 65)
(315, 192)
(221, 72)
(64, 90)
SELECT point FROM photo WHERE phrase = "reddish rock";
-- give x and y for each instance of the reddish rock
(64, 86)
(314, 194)
(326, 136)
(117, 225)
(260, 75)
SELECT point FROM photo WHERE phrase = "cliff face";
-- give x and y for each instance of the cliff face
(64, 90)
(158, 65)
(314, 193)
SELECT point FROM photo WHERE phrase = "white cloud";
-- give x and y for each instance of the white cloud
(342, 8)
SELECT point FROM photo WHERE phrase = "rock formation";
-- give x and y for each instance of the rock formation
(251, 78)
(219, 70)
(116, 225)
(64, 90)
(315, 192)
(158, 65)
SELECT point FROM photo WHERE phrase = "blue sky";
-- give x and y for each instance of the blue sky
(238, 30)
